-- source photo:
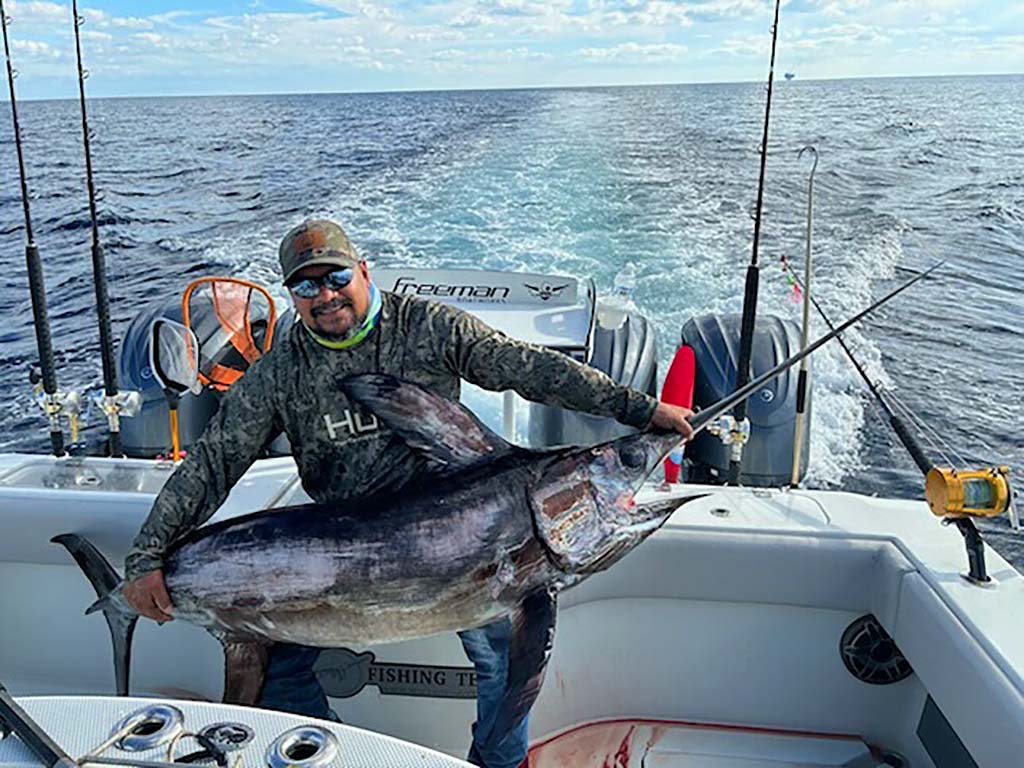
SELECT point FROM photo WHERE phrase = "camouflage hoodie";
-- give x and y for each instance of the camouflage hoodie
(341, 451)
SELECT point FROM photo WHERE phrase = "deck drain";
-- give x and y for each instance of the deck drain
(307, 746)
(149, 727)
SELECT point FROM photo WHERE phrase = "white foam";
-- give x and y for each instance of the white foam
(576, 207)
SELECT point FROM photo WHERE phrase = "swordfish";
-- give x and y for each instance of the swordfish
(496, 530)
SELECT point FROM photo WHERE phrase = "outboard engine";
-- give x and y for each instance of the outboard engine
(768, 455)
(555, 311)
(230, 319)
(628, 354)
(148, 434)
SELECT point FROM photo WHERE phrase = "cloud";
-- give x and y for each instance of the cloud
(131, 22)
(521, 8)
(36, 11)
(470, 18)
(153, 39)
(36, 48)
(489, 56)
(364, 8)
(839, 35)
(635, 52)
(96, 37)
(374, 44)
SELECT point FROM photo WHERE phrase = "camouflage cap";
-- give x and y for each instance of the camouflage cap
(315, 242)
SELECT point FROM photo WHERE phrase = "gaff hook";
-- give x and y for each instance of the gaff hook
(801, 395)
(814, 150)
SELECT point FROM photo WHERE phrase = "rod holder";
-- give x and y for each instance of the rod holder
(975, 550)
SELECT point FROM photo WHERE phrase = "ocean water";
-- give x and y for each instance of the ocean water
(581, 182)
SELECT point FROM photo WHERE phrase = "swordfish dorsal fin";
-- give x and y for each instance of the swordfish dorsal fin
(444, 430)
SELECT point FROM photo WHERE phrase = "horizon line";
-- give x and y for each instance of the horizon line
(796, 80)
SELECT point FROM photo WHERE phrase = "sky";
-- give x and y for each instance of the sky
(176, 47)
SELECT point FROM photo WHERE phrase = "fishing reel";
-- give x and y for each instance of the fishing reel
(126, 404)
(975, 492)
(959, 495)
(732, 433)
(57, 404)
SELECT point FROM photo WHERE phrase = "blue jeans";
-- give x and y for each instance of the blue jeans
(291, 686)
(487, 647)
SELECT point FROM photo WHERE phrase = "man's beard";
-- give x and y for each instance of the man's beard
(345, 335)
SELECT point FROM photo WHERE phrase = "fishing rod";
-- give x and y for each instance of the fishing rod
(52, 400)
(112, 403)
(740, 429)
(954, 495)
(801, 384)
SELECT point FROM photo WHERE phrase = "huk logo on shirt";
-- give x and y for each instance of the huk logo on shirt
(351, 424)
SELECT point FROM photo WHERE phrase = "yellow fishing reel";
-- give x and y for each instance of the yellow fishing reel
(973, 492)
(958, 495)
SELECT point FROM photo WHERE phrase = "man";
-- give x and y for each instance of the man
(348, 326)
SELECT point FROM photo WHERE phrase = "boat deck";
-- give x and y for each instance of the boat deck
(731, 613)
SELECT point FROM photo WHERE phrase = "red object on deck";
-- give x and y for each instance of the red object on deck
(678, 390)
(625, 743)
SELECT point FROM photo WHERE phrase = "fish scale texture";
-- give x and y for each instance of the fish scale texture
(343, 452)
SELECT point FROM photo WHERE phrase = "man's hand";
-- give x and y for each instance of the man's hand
(148, 596)
(674, 418)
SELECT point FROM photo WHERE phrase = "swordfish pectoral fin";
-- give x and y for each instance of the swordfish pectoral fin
(533, 632)
(245, 670)
(443, 430)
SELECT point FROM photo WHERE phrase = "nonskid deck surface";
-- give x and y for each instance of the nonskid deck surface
(664, 744)
(78, 724)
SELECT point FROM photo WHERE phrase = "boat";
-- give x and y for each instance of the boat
(760, 624)
(764, 625)
(790, 75)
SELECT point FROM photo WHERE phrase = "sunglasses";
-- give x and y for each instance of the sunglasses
(309, 287)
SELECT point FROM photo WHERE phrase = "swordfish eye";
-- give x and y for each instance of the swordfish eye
(632, 456)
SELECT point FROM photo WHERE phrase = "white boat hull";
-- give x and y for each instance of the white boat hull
(730, 617)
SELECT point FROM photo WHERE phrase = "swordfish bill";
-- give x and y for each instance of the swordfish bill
(490, 531)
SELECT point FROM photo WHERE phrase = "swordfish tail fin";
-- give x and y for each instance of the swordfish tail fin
(120, 618)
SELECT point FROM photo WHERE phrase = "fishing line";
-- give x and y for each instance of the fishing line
(938, 442)
(935, 442)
